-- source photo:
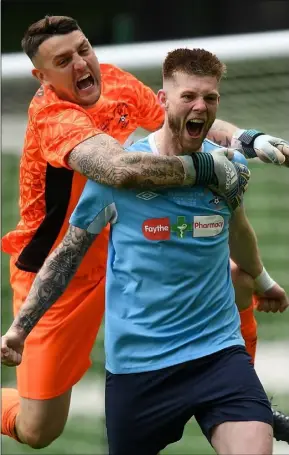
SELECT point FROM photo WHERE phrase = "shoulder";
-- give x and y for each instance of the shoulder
(42, 98)
(95, 196)
(55, 110)
(111, 71)
(116, 80)
(45, 98)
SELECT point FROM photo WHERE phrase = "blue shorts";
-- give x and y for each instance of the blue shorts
(147, 411)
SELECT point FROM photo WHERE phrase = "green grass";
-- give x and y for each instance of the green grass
(82, 435)
(267, 207)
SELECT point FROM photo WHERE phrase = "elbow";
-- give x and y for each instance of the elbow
(121, 176)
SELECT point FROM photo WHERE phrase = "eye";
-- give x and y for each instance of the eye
(84, 51)
(63, 61)
(187, 97)
(211, 98)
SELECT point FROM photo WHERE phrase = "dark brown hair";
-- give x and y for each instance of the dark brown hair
(45, 28)
(193, 61)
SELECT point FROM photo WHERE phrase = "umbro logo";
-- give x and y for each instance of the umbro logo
(147, 195)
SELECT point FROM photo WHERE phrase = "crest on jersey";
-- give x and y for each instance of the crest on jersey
(121, 112)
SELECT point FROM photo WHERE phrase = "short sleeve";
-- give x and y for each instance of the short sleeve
(59, 128)
(95, 208)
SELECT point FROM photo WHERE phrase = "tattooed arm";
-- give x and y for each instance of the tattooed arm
(103, 160)
(53, 278)
(222, 133)
(251, 143)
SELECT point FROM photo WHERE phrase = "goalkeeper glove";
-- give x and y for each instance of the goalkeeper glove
(216, 171)
(267, 148)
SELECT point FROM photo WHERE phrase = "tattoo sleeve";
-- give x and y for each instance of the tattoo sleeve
(53, 278)
(102, 159)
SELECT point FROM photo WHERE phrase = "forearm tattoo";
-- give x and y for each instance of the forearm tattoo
(224, 141)
(222, 135)
(53, 278)
(102, 159)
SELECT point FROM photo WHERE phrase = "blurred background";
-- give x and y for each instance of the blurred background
(252, 38)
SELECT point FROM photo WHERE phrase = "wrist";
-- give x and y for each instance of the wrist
(246, 139)
(204, 166)
(263, 281)
(16, 329)
(189, 170)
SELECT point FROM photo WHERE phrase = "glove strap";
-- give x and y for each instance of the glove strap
(204, 165)
(247, 138)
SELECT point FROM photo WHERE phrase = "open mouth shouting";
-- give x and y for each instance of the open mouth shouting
(85, 83)
(195, 127)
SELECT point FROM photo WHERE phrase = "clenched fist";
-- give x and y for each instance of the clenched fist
(12, 345)
(273, 300)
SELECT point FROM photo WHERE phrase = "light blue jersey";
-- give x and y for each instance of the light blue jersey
(169, 294)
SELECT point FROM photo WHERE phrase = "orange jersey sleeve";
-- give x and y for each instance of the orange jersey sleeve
(60, 127)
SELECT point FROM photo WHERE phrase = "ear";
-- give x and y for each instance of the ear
(39, 75)
(162, 98)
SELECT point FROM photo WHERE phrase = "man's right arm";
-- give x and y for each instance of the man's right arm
(102, 159)
(68, 138)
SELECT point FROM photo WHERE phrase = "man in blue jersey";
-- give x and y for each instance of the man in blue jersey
(172, 329)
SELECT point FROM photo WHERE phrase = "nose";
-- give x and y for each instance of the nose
(199, 105)
(79, 63)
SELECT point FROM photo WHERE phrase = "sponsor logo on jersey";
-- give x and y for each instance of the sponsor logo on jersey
(156, 229)
(202, 226)
(182, 227)
(207, 226)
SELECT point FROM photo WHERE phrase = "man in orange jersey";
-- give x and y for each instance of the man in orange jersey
(73, 119)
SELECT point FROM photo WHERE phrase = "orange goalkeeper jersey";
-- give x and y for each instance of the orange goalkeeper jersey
(49, 189)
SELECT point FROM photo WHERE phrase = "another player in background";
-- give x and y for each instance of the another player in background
(173, 343)
(62, 148)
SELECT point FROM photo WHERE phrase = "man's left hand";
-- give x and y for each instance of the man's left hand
(271, 149)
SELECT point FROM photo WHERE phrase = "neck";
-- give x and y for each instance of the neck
(168, 144)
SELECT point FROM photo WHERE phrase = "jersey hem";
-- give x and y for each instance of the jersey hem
(161, 366)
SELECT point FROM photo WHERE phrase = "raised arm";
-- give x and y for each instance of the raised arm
(252, 143)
